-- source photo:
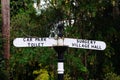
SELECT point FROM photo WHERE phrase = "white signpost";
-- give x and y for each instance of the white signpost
(85, 44)
(49, 42)
(60, 45)
(34, 42)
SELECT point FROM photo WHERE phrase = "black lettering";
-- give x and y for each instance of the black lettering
(79, 45)
(86, 41)
(73, 44)
(30, 39)
(82, 45)
(28, 44)
(100, 47)
(44, 39)
(92, 46)
(38, 44)
(94, 42)
(24, 39)
(27, 39)
(90, 41)
(85, 45)
(42, 44)
(36, 39)
(82, 41)
(32, 44)
(40, 39)
(35, 44)
(96, 46)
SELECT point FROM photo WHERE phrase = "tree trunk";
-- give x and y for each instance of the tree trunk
(6, 30)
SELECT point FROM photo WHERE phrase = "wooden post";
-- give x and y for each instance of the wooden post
(6, 29)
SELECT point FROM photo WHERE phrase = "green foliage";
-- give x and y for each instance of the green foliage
(67, 77)
(3, 75)
(21, 6)
(112, 76)
(43, 74)
(77, 63)
(93, 21)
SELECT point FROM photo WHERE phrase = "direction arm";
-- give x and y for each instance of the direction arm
(85, 44)
(34, 42)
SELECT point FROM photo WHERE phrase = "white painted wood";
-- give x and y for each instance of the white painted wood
(34, 42)
(60, 68)
(49, 42)
(85, 44)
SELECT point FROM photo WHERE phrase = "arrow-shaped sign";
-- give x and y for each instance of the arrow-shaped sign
(34, 42)
(85, 44)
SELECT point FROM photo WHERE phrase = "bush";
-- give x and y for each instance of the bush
(112, 76)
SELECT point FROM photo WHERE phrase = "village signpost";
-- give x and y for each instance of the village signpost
(49, 42)
(60, 44)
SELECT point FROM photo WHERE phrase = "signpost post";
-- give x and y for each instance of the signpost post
(60, 50)
(60, 45)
